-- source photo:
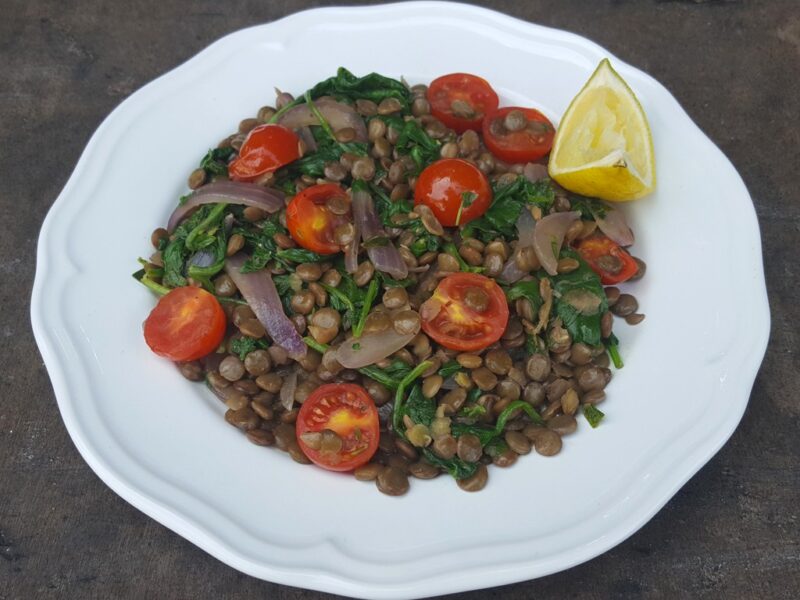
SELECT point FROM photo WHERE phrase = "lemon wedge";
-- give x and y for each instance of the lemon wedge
(603, 147)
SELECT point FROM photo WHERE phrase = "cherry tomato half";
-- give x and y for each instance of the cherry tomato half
(466, 312)
(266, 148)
(530, 137)
(348, 411)
(461, 100)
(456, 191)
(310, 220)
(607, 259)
(186, 324)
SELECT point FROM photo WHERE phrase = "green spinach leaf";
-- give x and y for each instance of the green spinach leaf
(507, 203)
(328, 150)
(391, 376)
(449, 368)
(200, 226)
(215, 162)
(593, 414)
(413, 141)
(245, 345)
(612, 346)
(588, 207)
(528, 290)
(420, 409)
(457, 468)
(375, 87)
(580, 301)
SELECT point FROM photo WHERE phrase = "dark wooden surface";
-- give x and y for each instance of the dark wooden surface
(731, 532)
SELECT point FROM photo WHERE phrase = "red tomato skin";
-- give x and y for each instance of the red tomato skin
(493, 320)
(518, 146)
(441, 185)
(461, 86)
(187, 323)
(361, 400)
(266, 148)
(593, 248)
(306, 210)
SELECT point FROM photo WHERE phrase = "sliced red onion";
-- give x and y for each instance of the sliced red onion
(262, 296)
(227, 223)
(304, 133)
(202, 258)
(511, 273)
(288, 390)
(535, 172)
(351, 250)
(370, 348)
(231, 192)
(340, 116)
(525, 227)
(385, 258)
(548, 236)
(615, 226)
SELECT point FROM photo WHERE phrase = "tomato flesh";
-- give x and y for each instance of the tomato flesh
(606, 258)
(461, 100)
(311, 223)
(186, 324)
(347, 410)
(528, 144)
(456, 191)
(455, 320)
(266, 148)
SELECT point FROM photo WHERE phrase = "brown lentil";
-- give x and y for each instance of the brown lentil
(625, 305)
(431, 385)
(392, 481)
(270, 382)
(476, 482)
(469, 361)
(244, 418)
(547, 443)
(406, 322)
(469, 448)
(364, 273)
(634, 319)
(261, 437)
(518, 442)
(368, 472)
(302, 302)
(563, 424)
(192, 370)
(231, 368)
(445, 447)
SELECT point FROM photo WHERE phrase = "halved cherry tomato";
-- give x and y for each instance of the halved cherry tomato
(186, 324)
(347, 410)
(607, 259)
(461, 100)
(456, 191)
(266, 148)
(310, 220)
(466, 312)
(525, 144)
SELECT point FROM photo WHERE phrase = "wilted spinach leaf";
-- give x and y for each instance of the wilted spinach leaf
(580, 301)
(507, 203)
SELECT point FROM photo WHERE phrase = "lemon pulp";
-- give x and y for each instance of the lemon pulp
(603, 147)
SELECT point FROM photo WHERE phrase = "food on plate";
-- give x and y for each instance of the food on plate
(381, 279)
(603, 146)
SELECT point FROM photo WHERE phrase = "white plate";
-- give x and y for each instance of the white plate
(160, 441)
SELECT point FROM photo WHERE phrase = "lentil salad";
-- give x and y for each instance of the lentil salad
(382, 279)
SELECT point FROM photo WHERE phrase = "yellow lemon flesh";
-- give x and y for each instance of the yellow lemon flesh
(603, 147)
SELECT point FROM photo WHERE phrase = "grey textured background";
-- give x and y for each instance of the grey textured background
(731, 532)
